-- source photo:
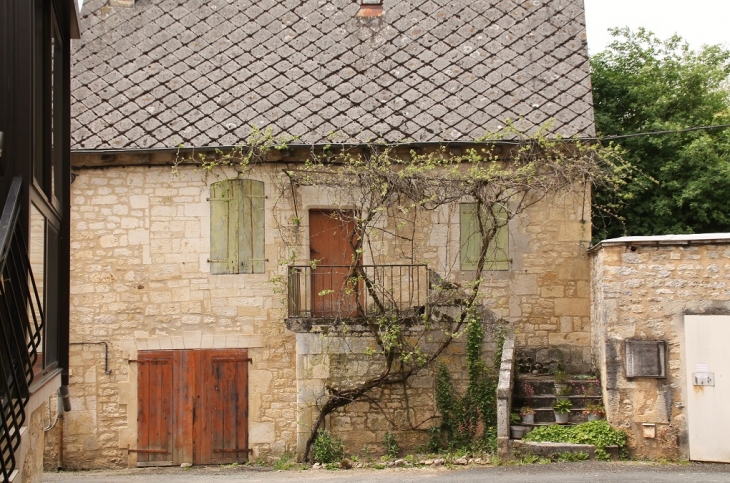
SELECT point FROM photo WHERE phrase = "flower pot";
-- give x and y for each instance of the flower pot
(517, 432)
(594, 416)
(528, 418)
(561, 418)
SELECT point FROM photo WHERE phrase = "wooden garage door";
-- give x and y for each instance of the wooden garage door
(192, 407)
(155, 409)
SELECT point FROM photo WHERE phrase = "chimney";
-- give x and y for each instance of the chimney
(370, 8)
(121, 3)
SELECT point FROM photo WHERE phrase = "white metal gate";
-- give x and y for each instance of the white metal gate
(707, 357)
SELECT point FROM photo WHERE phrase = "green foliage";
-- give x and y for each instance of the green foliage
(598, 433)
(594, 408)
(391, 445)
(514, 418)
(468, 421)
(560, 376)
(286, 462)
(529, 459)
(562, 406)
(327, 448)
(564, 391)
(643, 84)
(526, 410)
(570, 456)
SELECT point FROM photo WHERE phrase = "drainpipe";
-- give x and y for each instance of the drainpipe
(63, 405)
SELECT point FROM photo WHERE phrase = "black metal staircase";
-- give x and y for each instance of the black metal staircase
(21, 322)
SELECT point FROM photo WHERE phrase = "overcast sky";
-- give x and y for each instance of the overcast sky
(697, 21)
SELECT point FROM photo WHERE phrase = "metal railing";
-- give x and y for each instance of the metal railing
(21, 326)
(339, 291)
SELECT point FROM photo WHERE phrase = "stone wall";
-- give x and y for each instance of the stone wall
(343, 361)
(140, 281)
(32, 463)
(642, 289)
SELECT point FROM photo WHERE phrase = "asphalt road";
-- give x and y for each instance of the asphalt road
(593, 472)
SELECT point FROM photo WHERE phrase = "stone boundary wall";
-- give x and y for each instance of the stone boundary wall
(642, 289)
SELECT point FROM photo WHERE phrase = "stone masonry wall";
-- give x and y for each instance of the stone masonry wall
(340, 361)
(140, 280)
(643, 290)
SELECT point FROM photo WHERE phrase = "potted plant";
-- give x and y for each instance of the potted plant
(516, 431)
(527, 414)
(560, 377)
(562, 392)
(594, 411)
(561, 408)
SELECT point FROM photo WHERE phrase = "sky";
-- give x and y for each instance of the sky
(697, 21)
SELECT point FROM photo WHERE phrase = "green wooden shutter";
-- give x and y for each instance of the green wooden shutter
(250, 203)
(220, 201)
(498, 250)
(470, 240)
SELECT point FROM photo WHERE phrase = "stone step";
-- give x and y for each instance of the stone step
(553, 450)
(546, 384)
(546, 402)
(547, 416)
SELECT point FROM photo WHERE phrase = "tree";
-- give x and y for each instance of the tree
(643, 84)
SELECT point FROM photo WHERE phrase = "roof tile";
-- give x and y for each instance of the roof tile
(427, 70)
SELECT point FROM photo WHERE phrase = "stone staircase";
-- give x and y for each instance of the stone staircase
(538, 392)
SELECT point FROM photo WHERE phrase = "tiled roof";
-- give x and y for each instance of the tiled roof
(202, 72)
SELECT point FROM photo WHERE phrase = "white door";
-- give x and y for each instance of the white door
(707, 351)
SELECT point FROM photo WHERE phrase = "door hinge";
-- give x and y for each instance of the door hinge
(151, 451)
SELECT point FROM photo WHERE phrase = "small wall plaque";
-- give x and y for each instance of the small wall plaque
(703, 379)
(646, 358)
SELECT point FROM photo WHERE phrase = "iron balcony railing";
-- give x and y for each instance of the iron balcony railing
(337, 291)
(21, 327)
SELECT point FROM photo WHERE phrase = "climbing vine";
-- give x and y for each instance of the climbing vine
(386, 192)
(468, 421)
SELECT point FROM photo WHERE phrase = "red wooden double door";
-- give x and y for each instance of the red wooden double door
(192, 407)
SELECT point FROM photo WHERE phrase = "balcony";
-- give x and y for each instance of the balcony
(329, 293)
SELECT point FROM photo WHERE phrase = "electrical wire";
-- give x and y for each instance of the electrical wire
(405, 144)
(657, 133)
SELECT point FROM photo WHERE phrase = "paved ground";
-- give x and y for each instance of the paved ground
(593, 472)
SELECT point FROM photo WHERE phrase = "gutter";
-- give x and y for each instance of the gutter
(412, 144)
(632, 242)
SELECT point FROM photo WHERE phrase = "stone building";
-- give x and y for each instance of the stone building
(191, 318)
(660, 318)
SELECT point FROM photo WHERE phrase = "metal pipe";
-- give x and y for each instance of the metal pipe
(60, 441)
(107, 371)
(64, 400)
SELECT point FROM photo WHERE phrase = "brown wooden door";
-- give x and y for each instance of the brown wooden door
(223, 425)
(155, 419)
(331, 236)
(192, 407)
